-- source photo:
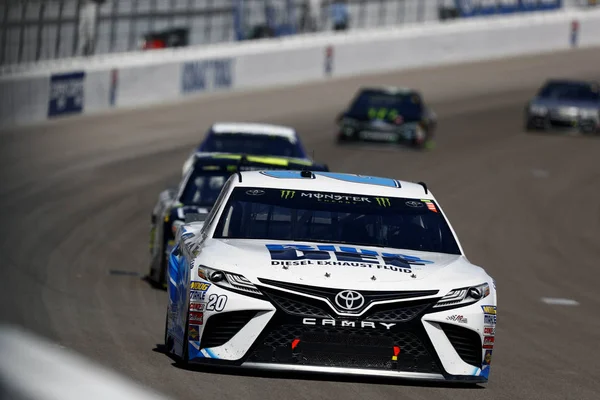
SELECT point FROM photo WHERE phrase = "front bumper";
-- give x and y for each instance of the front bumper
(364, 132)
(408, 339)
(562, 123)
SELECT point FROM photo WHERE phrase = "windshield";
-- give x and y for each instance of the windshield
(273, 214)
(203, 188)
(570, 91)
(372, 104)
(263, 145)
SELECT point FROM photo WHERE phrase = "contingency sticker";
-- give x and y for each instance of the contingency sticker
(193, 333)
(196, 318)
(430, 205)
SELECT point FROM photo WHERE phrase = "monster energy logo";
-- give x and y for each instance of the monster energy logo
(288, 194)
(383, 201)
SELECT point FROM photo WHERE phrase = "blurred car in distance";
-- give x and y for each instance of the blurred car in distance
(390, 115)
(565, 105)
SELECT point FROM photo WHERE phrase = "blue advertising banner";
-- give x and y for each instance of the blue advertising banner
(208, 75)
(66, 94)
(474, 8)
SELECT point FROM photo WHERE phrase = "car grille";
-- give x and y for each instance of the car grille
(307, 307)
(344, 347)
(296, 307)
(466, 342)
(399, 314)
(329, 293)
(220, 328)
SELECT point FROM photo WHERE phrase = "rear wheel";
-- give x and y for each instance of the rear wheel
(158, 265)
(167, 340)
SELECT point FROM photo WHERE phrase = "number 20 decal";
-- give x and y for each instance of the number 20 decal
(216, 302)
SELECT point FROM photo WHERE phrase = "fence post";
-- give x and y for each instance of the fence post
(4, 33)
(38, 41)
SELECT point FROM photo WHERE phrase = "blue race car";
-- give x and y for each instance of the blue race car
(251, 139)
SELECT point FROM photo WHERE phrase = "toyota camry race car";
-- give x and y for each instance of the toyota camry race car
(567, 105)
(252, 139)
(197, 193)
(329, 272)
(389, 115)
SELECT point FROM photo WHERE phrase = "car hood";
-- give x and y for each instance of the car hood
(341, 266)
(551, 103)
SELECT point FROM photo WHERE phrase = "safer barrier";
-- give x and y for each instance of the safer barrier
(84, 86)
(32, 368)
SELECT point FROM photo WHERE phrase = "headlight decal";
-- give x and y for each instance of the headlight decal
(464, 296)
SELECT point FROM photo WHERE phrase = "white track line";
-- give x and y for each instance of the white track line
(559, 301)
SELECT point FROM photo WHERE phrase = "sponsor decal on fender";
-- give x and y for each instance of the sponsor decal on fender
(196, 318)
(197, 307)
(489, 330)
(201, 286)
(490, 310)
(488, 342)
(487, 359)
(197, 295)
(489, 319)
(193, 332)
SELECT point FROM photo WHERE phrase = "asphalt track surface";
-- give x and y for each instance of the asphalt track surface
(76, 197)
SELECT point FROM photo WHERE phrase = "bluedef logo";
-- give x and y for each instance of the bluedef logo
(210, 75)
(66, 94)
(329, 255)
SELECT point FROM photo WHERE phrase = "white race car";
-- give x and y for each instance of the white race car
(266, 140)
(327, 272)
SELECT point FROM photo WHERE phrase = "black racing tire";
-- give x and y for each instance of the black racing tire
(162, 267)
(168, 342)
(157, 273)
(185, 356)
(528, 126)
(343, 139)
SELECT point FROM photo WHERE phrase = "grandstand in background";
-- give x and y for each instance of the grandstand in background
(36, 30)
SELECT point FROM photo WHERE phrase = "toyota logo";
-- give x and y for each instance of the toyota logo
(349, 300)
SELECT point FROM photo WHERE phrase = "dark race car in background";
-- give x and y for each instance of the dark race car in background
(197, 193)
(391, 115)
(251, 139)
(567, 105)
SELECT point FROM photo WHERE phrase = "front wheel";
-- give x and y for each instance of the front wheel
(422, 139)
(185, 355)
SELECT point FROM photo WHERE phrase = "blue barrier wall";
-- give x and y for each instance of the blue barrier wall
(475, 8)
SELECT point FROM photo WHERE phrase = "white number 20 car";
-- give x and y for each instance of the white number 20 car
(329, 273)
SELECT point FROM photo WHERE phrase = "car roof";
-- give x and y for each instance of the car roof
(566, 81)
(254, 129)
(334, 182)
